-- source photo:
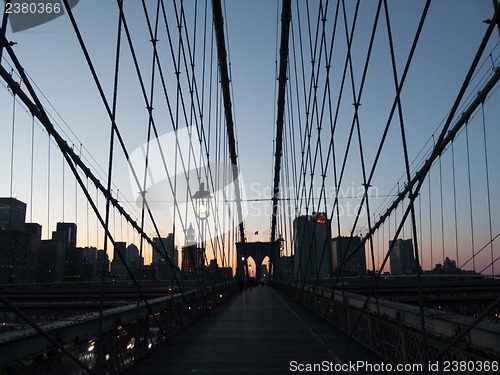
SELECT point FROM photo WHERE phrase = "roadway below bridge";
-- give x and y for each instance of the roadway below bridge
(85, 296)
(259, 331)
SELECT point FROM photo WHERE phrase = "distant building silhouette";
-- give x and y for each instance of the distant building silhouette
(401, 258)
(118, 270)
(131, 258)
(193, 260)
(12, 214)
(69, 234)
(342, 248)
(449, 267)
(17, 257)
(193, 257)
(189, 234)
(88, 263)
(35, 231)
(312, 244)
(65, 234)
(19, 243)
(51, 261)
(102, 264)
(164, 269)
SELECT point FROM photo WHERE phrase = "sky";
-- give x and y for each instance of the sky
(52, 57)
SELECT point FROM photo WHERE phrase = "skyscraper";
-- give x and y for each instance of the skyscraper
(312, 246)
(402, 259)
(18, 243)
(193, 260)
(102, 264)
(35, 236)
(163, 267)
(51, 261)
(69, 236)
(89, 263)
(131, 259)
(12, 214)
(65, 235)
(342, 259)
(167, 244)
(118, 270)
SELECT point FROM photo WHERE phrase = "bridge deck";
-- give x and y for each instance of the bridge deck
(258, 331)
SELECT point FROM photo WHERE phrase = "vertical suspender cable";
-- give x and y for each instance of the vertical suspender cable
(455, 200)
(420, 229)
(62, 195)
(76, 200)
(441, 204)
(430, 220)
(48, 190)
(32, 165)
(12, 143)
(383, 247)
(88, 223)
(97, 221)
(488, 190)
(470, 198)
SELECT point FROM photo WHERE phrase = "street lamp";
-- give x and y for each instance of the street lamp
(202, 210)
(280, 242)
(202, 202)
(278, 248)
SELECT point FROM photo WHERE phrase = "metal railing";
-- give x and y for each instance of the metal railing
(128, 334)
(392, 329)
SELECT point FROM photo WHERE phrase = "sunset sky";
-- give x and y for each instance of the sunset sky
(452, 32)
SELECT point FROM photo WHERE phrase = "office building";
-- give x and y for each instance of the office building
(88, 263)
(12, 214)
(65, 235)
(19, 243)
(130, 256)
(348, 256)
(102, 265)
(193, 260)
(51, 261)
(402, 258)
(312, 246)
(165, 269)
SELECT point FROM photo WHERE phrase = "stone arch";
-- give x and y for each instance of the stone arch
(258, 251)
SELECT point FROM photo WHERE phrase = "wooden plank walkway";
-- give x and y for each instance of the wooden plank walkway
(258, 331)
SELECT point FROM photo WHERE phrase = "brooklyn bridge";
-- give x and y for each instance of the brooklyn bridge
(258, 187)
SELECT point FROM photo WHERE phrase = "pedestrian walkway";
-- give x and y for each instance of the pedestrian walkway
(258, 331)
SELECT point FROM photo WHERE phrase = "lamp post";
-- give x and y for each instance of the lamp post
(202, 202)
(278, 248)
(202, 209)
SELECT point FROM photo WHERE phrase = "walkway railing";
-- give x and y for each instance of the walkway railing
(128, 334)
(392, 330)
